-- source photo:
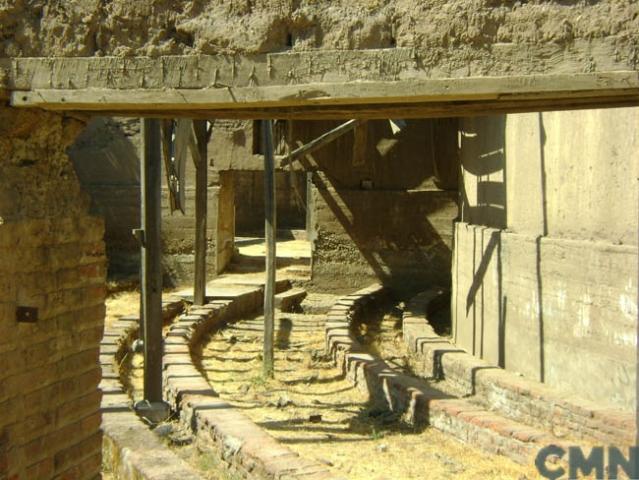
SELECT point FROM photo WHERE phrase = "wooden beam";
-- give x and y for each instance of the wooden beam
(270, 228)
(302, 68)
(385, 111)
(151, 282)
(532, 88)
(201, 211)
(320, 141)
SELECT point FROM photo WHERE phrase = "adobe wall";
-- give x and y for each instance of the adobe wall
(545, 263)
(52, 259)
(383, 205)
(450, 38)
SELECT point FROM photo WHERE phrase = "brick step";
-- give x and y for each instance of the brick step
(505, 393)
(290, 300)
(418, 401)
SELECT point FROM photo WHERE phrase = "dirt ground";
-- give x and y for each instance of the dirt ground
(319, 414)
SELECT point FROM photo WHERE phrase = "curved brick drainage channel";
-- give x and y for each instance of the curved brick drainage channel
(317, 412)
(338, 410)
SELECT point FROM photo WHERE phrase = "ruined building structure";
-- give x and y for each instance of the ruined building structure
(513, 182)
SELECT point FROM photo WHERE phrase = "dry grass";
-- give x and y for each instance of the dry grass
(313, 410)
(121, 304)
(317, 413)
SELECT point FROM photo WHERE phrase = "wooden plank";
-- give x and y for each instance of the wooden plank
(409, 91)
(284, 68)
(201, 211)
(385, 111)
(151, 282)
(320, 141)
(270, 228)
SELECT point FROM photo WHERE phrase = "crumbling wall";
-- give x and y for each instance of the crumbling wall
(458, 38)
(383, 204)
(545, 262)
(52, 261)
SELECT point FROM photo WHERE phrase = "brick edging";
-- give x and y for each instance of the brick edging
(130, 448)
(517, 398)
(248, 449)
(417, 402)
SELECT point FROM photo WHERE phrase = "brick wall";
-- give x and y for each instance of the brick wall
(52, 259)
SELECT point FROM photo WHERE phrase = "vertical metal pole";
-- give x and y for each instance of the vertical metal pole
(201, 197)
(151, 281)
(269, 234)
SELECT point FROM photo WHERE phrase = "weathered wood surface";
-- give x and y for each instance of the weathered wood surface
(270, 228)
(151, 282)
(320, 141)
(201, 209)
(229, 86)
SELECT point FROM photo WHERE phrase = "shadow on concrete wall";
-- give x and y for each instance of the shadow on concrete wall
(484, 159)
(488, 157)
(392, 233)
(105, 156)
(483, 146)
(540, 291)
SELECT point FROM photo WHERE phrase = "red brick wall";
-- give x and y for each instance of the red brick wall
(51, 258)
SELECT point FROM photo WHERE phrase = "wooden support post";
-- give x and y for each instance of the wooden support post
(201, 198)
(151, 281)
(270, 225)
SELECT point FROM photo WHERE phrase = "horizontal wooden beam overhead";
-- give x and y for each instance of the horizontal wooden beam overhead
(319, 84)
(379, 111)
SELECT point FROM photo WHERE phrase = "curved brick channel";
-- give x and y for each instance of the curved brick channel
(479, 404)
(510, 395)
(418, 401)
(131, 449)
(458, 394)
(248, 449)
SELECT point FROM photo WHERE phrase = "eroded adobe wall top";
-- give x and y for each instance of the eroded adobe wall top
(37, 180)
(484, 36)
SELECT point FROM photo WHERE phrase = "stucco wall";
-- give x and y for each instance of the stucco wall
(544, 272)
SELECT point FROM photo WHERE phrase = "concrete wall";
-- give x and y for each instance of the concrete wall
(106, 156)
(544, 271)
(290, 192)
(383, 205)
(52, 259)
(235, 145)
